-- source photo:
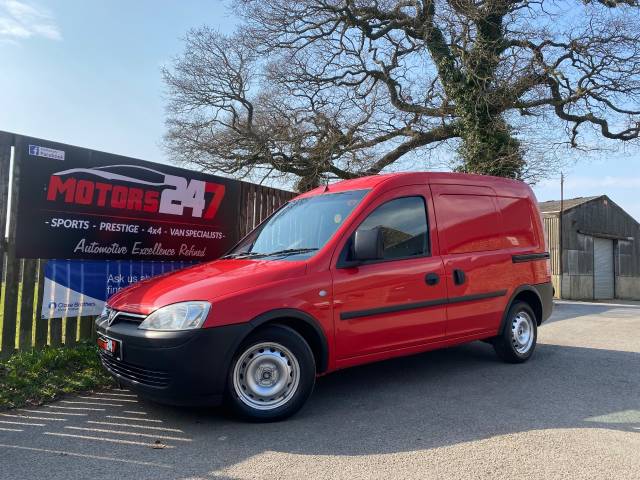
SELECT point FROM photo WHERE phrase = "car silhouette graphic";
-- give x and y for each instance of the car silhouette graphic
(124, 173)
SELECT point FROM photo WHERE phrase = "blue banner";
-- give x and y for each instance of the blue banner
(80, 287)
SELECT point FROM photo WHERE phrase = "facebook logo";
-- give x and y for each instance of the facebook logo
(37, 151)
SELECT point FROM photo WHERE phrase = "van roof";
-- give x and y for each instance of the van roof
(501, 185)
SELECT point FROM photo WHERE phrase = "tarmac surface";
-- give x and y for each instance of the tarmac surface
(573, 411)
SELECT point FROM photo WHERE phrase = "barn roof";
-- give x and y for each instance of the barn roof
(553, 206)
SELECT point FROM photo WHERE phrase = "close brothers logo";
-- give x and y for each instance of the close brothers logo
(155, 192)
(56, 306)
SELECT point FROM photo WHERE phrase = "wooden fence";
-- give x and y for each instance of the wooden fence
(23, 279)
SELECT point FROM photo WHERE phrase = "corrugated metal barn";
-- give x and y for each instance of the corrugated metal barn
(598, 255)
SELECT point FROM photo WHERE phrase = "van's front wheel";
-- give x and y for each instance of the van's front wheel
(272, 374)
(517, 341)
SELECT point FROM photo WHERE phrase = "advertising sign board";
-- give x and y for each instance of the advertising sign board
(78, 203)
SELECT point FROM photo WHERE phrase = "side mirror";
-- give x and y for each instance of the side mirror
(368, 245)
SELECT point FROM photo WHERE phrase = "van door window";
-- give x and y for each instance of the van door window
(404, 227)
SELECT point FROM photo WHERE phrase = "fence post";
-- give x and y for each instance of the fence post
(84, 323)
(251, 207)
(85, 327)
(42, 324)
(26, 303)
(6, 141)
(55, 324)
(242, 221)
(70, 331)
(12, 275)
(264, 196)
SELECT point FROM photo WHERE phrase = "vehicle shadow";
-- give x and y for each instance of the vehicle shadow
(431, 400)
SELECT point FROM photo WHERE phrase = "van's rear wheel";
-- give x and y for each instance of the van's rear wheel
(518, 339)
(272, 374)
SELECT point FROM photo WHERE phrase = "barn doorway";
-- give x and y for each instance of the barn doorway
(603, 273)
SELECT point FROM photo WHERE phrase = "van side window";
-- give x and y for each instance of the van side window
(468, 223)
(404, 227)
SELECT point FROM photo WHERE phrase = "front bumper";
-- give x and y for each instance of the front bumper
(179, 368)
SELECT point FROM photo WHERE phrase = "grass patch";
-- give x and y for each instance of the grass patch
(33, 377)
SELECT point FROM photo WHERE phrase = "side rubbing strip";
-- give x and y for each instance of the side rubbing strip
(477, 296)
(413, 306)
(529, 257)
(391, 309)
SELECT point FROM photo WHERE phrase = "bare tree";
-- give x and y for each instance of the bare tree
(349, 87)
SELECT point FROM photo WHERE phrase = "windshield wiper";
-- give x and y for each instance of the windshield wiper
(289, 251)
(244, 255)
(277, 253)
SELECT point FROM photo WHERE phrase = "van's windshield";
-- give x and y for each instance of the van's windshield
(300, 228)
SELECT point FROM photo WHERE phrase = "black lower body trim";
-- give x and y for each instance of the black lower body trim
(426, 304)
(545, 290)
(477, 296)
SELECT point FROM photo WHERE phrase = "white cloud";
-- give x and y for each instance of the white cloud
(22, 20)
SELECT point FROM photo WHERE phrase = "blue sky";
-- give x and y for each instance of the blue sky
(88, 73)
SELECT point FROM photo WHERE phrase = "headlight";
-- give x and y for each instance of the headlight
(104, 316)
(179, 316)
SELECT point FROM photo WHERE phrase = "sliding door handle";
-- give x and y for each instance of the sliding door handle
(459, 277)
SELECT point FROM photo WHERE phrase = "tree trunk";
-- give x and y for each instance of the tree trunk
(488, 146)
(308, 182)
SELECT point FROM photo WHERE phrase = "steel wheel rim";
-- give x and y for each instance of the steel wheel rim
(522, 332)
(266, 376)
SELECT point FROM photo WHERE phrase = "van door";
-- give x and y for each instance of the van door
(478, 269)
(398, 301)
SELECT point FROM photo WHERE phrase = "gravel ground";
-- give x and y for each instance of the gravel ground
(571, 412)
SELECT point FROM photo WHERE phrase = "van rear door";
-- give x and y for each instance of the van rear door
(476, 265)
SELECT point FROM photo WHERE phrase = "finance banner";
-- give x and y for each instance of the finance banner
(78, 203)
(76, 287)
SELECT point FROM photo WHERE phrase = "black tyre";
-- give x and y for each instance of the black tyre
(518, 339)
(272, 375)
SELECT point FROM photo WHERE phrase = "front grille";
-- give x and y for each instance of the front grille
(143, 376)
(111, 317)
(127, 317)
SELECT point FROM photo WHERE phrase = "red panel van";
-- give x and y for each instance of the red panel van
(359, 271)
